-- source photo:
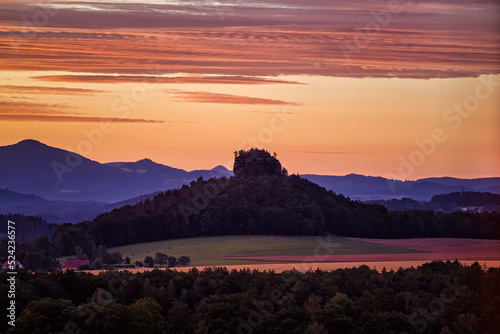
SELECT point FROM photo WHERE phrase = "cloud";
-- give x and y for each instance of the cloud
(205, 97)
(148, 79)
(425, 39)
(27, 108)
(13, 89)
(271, 112)
(83, 119)
(40, 112)
(339, 153)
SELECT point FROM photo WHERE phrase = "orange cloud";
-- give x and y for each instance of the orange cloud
(339, 153)
(40, 112)
(205, 97)
(241, 80)
(27, 108)
(53, 118)
(13, 89)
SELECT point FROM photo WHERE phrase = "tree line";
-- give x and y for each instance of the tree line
(437, 297)
(467, 199)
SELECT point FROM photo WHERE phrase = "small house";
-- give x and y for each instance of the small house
(17, 264)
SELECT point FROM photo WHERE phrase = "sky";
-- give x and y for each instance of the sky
(400, 89)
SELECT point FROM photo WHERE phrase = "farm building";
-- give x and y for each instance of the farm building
(6, 265)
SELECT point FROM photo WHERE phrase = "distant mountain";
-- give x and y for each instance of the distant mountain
(10, 199)
(218, 171)
(378, 188)
(30, 167)
(223, 170)
(404, 204)
(48, 173)
(52, 173)
(467, 200)
(58, 212)
(168, 174)
(147, 166)
(456, 201)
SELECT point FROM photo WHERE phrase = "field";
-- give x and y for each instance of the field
(302, 253)
(232, 250)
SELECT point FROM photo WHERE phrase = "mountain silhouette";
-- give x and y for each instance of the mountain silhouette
(362, 187)
(31, 167)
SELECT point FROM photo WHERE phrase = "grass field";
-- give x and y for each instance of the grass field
(208, 251)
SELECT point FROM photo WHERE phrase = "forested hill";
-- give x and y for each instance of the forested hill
(278, 205)
(467, 199)
(25, 227)
(248, 205)
(456, 201)
(262, 199)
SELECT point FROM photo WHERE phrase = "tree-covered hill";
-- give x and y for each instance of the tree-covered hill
(467, 199)
(264, 203)
(26, 227)
(456, 201)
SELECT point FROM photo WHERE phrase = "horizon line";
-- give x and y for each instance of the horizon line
(230, 169)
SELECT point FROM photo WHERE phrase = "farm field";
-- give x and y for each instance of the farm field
(303, 253)
(424, 250)
(325, 253)
(235, 250)
(462, 248)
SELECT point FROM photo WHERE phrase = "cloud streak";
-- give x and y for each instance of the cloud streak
(27, 108)
(81, 119)
(240, 80)
(339, 153)
(205, 97)
(42, 112)
(14, 89)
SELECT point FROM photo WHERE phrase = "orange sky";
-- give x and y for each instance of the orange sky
(405, 91)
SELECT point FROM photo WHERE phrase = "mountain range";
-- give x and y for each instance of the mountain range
(59, 211)
(450, 202)
(30, 167)
(63, 186)
(360, 187)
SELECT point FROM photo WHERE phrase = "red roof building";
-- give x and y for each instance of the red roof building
(73, 264)
(6, 265)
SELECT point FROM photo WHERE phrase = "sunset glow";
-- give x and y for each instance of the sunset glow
(389, 88)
